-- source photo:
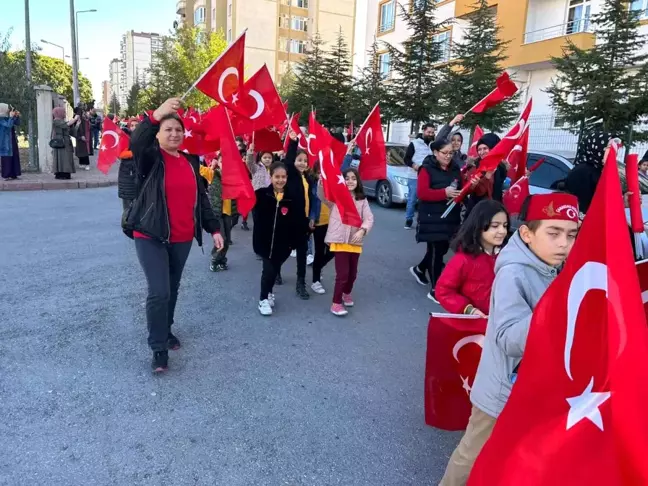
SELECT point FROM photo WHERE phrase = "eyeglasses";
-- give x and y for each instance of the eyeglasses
(447, 154)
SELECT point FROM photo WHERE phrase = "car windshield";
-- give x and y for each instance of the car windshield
(395, 156)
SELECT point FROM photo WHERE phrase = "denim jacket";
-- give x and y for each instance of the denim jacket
(6, 139)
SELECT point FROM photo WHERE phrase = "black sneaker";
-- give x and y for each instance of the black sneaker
(432, 297)
(218, 267)
(302, 293)
(408, 224)
(279, 280)
(173, 343)
(245, 226)
(160, 361)
(419, 276)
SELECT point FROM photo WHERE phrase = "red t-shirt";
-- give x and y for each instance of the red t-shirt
(181, 192)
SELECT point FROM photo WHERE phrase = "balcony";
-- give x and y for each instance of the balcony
(181, 7)
(569, 28)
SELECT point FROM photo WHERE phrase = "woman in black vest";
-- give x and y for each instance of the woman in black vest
(439, 179)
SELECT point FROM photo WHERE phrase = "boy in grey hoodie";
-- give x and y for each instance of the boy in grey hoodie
(524, 270)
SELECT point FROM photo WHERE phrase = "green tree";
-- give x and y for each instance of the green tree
(184, 56)
(308, 86)
(114, 107)
(14, 88)
(133, 99)
(605, 87)
(333, 108)
(417, 77)
(476, 64)
(370, 88)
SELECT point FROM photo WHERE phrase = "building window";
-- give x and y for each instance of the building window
(640, 6)
(296, 3)
(199, 16)
(578, 16)
(299, 23)
(387, 18)
(384, 64)
(293, 45)
(443, 41)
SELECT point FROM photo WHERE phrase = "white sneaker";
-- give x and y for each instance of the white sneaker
(318, 288)
(293, 253)
(87, 167)
(271, 300)
(310, 259)
(264, 308)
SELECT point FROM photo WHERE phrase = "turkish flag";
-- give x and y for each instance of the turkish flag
(224, 77)
(234, 173)
(577, 411)
(294, 126)
(516, 195)
(371, 142)
(195, 137)
(504, 89)
(319, 138)
(479, 133)
(454, 345)
(335, 189)
(267, 140)
(632, 179)
(113, 142)
(258, 104)
(517, 158)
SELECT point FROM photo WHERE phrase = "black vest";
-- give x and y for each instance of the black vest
(430, 225)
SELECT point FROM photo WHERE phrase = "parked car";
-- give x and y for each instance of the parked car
(394, 188)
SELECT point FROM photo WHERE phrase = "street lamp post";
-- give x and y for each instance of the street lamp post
(55, 45)
(77, 29)
(33, 154)
(75, 63)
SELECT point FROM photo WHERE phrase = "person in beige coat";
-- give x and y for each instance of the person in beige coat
(63, 156)
(346, 242)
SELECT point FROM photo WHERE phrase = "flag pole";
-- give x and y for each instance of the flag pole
(475, 105)
(212, 65)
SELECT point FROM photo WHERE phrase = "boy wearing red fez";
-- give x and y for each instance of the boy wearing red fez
(524, 270)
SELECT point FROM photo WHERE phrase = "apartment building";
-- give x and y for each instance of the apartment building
(136, 52)
(105, 94)
(278, 31)
(114, 78)
(536, 29)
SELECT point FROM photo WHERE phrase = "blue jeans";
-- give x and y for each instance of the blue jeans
(95, 138)
(411, 199)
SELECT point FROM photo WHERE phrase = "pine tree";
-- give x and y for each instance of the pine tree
(476, 64)
(133, 99)
(334, 107)
(416, 74)
(114, 107)
(309, 82)
(371, 88)
(605, 87)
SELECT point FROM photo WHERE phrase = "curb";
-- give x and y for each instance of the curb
(53, 185)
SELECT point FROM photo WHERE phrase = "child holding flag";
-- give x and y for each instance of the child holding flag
(464, 286)
(346, 242)
(524, 270)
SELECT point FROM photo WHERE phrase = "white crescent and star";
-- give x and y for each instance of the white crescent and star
(260, 104)
(114, 135)
(368, 139)
(188, 134)
(321, 158)
(521, 124)
(308, 146)
(230, 71)
(477, 339)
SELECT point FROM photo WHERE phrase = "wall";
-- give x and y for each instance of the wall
(261, 38)
(543, 14)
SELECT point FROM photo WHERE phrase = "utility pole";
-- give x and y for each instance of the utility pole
(33, 153)
(75, 57)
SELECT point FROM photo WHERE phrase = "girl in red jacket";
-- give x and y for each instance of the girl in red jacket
(465, 284)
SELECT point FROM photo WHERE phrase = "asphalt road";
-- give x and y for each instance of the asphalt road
(301, 398)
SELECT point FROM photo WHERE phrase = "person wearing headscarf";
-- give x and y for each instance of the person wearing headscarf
(588, 166)
(9, 157)
(81, 132)
(63, 158)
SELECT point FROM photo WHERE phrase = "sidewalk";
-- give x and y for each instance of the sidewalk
(82, 179)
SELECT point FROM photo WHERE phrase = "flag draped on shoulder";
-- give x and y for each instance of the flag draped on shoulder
(113, 142)
(371, 142)
(576, 414)
(454, 344)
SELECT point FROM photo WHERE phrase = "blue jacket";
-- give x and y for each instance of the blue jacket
(316, 203)
(6, 140)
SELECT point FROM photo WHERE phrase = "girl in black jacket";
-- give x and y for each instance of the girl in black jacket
(170, 210)
(277, 219)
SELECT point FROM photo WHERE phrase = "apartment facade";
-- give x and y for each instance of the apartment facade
(136, 52)
(278, 31)
(105, 94)
(114, 78)
(536, 29)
